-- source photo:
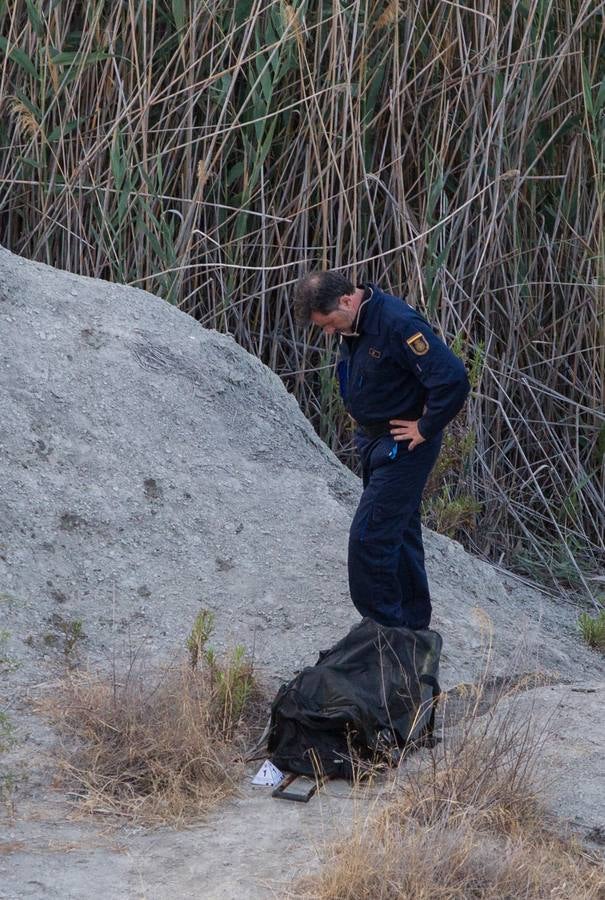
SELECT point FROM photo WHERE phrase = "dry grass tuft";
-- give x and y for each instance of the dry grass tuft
(387, 862)
(154, 749)
(466, 822)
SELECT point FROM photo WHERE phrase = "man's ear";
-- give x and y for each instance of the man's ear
(346, 301)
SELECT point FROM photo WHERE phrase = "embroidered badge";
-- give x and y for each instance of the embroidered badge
(418, 344)
(375, 353)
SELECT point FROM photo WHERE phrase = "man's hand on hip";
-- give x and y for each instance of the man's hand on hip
(405, 430)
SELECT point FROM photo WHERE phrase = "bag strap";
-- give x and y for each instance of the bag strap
(430, 728)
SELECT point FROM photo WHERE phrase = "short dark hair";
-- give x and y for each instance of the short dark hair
(319, 292)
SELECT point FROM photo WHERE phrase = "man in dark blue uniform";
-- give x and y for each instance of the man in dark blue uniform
(402, 385)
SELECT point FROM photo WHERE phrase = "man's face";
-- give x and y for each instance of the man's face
(339, 321)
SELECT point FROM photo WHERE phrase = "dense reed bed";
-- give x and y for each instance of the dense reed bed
(212, 152)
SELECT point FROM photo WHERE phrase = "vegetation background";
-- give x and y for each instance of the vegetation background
(211, 152)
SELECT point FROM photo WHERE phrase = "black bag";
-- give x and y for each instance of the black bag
(366, 699)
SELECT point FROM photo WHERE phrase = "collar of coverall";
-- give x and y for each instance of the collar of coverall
(364, 315)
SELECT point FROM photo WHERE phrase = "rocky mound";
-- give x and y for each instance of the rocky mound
(151, 467)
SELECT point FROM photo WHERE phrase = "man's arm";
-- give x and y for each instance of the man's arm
(440, 372)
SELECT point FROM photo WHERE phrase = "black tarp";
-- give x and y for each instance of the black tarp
(371, 694)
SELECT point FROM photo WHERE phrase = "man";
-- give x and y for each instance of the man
(401, 385)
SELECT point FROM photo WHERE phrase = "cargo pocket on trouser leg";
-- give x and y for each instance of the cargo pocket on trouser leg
(361, 520)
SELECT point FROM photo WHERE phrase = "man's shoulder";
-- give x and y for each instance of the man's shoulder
(398, 314)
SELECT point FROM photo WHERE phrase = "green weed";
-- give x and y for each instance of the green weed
(232, 682)
(7, 662)
(592, 629)
(8, 786)
(199, 635)
(7, 732)
(68, 634)
(450, 516)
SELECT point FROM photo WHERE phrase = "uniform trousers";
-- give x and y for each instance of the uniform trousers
(387, 578)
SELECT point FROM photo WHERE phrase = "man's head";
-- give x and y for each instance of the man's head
(327, 299)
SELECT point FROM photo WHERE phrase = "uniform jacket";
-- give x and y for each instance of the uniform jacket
(398, 367)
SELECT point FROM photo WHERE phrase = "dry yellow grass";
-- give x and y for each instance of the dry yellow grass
(154, 748)
(464, 822)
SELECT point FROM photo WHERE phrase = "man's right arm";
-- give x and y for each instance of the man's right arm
(440, 372)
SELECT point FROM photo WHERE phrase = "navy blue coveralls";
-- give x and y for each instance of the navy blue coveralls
(397, 368)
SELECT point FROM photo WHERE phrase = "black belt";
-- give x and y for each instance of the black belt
(378, 429)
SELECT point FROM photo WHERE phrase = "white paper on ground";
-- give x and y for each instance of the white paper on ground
(268, 775)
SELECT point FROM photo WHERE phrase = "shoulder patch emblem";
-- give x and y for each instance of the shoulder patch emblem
(418, 344)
